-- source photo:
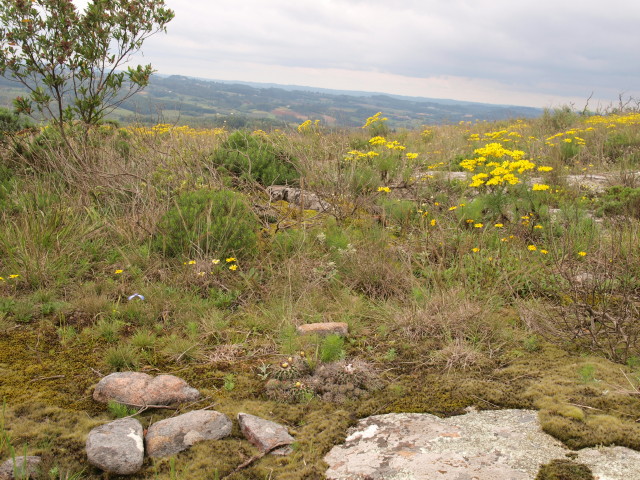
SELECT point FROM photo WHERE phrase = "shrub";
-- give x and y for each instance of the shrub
(10, 122)
(332, 348)
(563, 469)
(207, 222)
(252, 158)
(620, 200)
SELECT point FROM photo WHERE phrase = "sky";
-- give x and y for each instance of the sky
(541, 53)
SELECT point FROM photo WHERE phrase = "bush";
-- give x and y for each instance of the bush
(563, 469)
(620, 200)
(208, 222)
(251, 158)
(10, 123)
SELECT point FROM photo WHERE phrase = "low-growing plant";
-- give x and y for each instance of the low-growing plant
(207, 222)
(254, 158)
(332, 348)
(122, 357)
(118, 410)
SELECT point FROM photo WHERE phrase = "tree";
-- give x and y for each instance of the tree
(69, 60)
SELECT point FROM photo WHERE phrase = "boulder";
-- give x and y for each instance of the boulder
(497, 445)
(176, 434)
(139, 389)
(24, 467)
(266, 435)
(326, 328)
(117, 447)
(297, 196)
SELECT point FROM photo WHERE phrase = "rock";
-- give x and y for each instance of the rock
(8, 468)
(326, 328)
(139, 389)
(497, 445)
(297, 197)
(117, 447)
(265, 434)
(176, 434)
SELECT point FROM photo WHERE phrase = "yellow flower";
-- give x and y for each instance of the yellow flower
(433, 222)
(532, 248)
(475, 249)
(478, 225)
(538, 227)
(191, 262)
(469, 220)
(230, 259)
(215, 261)
(498, 225)
(544, 252)
(453, 208)
(233, 268)
(384, 189)
(1, 279)
(582, 254)
(117, 272)
(544, 169)
(539, 187)
(412, 156)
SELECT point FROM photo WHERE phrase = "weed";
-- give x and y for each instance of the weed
(332, 348)
(118, 410)
(229, 382)
(122, 357)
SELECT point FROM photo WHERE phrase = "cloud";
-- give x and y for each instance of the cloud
(529, 49)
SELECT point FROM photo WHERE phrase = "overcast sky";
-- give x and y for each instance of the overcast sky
(525, 52)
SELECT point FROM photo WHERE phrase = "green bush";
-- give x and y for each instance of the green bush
(10, 122)
(206, 222)
(252, 158)
(620, 200)
(332, 348)
(564, 469)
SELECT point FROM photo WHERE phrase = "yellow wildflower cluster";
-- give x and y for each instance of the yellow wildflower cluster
(357, 155)
(570, 136)
(511, 134)
(391, 145)
(615, 120)
(497, 170)
(168, 129)
(375, 118)
(309, 126)
(375, 142)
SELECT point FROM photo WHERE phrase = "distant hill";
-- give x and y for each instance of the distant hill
(201, 102)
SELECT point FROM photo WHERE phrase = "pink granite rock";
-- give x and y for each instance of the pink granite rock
(139, 389)
(326, 328)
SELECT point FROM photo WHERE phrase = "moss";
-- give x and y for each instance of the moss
(564, 470)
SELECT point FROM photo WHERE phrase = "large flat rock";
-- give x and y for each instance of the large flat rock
(487, 445)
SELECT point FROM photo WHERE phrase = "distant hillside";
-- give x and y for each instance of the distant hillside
(202, 102)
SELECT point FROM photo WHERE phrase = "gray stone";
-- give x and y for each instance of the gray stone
(139, 389)
(176, 434)
(117, 447)
(326, 328)
(496, 445)
(25, 467)
(298, 197)
(265, 434)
